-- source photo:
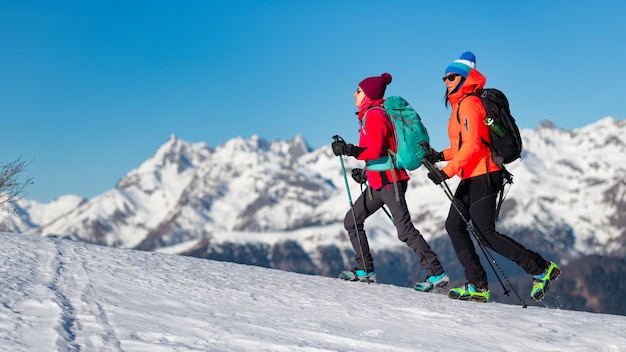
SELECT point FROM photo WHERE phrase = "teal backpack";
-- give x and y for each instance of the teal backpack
(409, 132)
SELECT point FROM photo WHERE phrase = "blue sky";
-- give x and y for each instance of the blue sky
(90, 89)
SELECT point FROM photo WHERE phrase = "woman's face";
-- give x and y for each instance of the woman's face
(452, 80)
(358, 96)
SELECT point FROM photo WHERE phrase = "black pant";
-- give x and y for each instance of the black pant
(478, 194)
(407, 233)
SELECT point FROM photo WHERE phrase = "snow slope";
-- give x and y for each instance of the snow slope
(60, 295)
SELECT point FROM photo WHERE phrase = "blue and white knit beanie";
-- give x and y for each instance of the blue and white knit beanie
(463, 65)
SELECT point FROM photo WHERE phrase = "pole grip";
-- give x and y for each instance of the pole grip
(429, 166)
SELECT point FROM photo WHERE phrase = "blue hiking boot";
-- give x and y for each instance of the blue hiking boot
(432, 282)
(357, 275)
(541, 283)
(478, 292)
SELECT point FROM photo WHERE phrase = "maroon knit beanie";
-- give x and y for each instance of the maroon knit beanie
(374, 87)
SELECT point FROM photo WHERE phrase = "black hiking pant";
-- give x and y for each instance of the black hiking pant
(478, 194)
(407, 233)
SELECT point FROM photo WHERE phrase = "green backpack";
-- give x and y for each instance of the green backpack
(409, 132)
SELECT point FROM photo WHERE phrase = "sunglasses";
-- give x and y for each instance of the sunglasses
(450, 77)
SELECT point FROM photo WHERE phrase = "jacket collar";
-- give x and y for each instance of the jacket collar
(474, 82)
(367, 104)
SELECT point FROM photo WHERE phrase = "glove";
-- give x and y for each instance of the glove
(437, 176)
(341, 148)
(359, 175)
(338, 147)
(432, 155)
(352, 150)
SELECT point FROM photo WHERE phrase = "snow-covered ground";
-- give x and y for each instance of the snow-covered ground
(59, 295)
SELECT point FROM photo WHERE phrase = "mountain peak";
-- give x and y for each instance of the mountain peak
(298, 146)
(607, 123)
(547, 124)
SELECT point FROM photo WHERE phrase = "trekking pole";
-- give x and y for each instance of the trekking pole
(492, 261)
(389, 215)
(356, 229)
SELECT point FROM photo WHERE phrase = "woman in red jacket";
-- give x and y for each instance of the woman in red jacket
(470, 158)
(376, 136)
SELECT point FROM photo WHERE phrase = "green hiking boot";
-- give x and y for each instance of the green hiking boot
(357, 275)
(478, 292)
(541, 283)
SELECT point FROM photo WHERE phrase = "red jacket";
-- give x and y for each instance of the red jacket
(468, 155)
(375, 136)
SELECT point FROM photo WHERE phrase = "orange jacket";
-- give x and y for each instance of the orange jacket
(468, 155)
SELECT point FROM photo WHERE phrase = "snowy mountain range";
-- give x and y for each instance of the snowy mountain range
(281, 204)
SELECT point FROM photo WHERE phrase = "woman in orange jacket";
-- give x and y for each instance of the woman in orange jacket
(469, 158)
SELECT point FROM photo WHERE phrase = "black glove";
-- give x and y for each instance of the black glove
(338, 147)
(352, 150)
(432, 155)
(341, 148)
(359, 175)
(437, 176)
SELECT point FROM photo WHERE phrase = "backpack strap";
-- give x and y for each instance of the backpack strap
(383, 163)
(507, 178)
(458, 119)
